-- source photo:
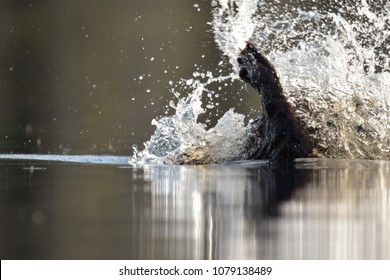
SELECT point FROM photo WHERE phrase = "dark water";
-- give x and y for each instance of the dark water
(319, 209)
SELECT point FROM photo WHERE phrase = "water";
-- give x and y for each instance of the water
(105, 209)
(333, 60)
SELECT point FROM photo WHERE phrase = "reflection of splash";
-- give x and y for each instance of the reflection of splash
(321, 209)
(334, 64)
(207, 208)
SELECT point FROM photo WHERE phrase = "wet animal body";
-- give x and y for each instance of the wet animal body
(280, 135)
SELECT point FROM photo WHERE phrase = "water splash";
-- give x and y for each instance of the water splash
(233, 24)
(334, 66)
(334, 63)
(181, 139)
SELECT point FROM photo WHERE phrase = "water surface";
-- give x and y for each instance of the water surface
(105, 209)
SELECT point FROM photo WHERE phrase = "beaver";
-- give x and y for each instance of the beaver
(280, 135)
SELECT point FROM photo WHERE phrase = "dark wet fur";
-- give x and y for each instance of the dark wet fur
(280, 135)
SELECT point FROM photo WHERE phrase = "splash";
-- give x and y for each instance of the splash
(181, 139)
(233, 24)
(334, 63)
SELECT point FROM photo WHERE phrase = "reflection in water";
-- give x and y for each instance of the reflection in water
(217, 208)
(317, 209)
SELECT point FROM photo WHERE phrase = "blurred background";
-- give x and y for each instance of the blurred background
(87, 77)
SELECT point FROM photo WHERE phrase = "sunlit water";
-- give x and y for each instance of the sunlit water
(333, 60)
(105, 209)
